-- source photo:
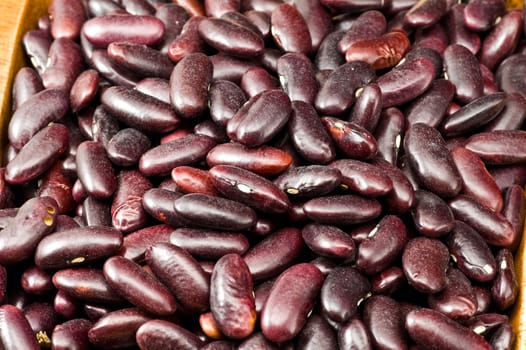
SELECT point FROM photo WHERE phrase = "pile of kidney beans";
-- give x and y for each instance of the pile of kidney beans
(265, 174)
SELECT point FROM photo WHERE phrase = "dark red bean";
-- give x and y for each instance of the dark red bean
(214, 212)
(425, 13)
(343, 290)
(463, 70)
(33, 281)
(485, 323)
(193, 7)
(353, 140)
(135, 244)
(369, 24)
(84, 89)
(309, 181)
(296, 74)
(126, 147)
(181, 273)
(15, 331)
(431, 161)
(431, 214)
(67, 18)
(138, 7)
(368, 107)
(354, 335)
(193, 180)
(174, 18)
(503, 338)
(95, 170)
(283, 317)
(137, 286)
(26, 83)
(111, 71)
(327, 56)
(232, 298)
(103, 30)
(457, 300)
(80, 245)
(141, 59)
(388, 281)
(158, 203)
(256, 80)
(95, 212)
(71, 335)
(383, 319)
(499, 147)
(458, 32)
(225, 98)
(257, 341)
(35, 219)
(188, 42)
(363, 178)
(512, 116)
(260, 119)
(66, 306)
(431, 328)
(36, 45)
(492, 226)
(329, 241)
(227, 67)
(315, 334)
(388, 134)
(337, 93)
(102, 7)
(342, 209)
(406, 82)
(290, 30)
(216, 9)
(425, 262)
(480, 15)
(44, 107)
(159, 333)
(117, 328)
(515, 211)
(505, 287)
(383, 245)
(63, 52)
(430, 107)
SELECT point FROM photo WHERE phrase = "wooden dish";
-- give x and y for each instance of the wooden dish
(18, 16)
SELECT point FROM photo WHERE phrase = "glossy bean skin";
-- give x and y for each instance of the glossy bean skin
(256, 80)
(26, 83)
(263, 160)
(354, 335)
(87, 284)
(35, 219)
(187, 150)
(290, 30)
(79, 245)
(232, 298)
(363, 178)
(141, 59)
(458, 32)
(193, 180)
(342, 209)
(103, 30)
(109, 70)
(426, 272)
(95, 212)
(257, 341)
(36, 156)
(36, 45)
(45, 106)
(515, 210)
(208, 244)
(309, 181)
(343, 290)
(512, 116)
(457, 300)
(430, 107)
(478, 112)
(316, 333)
(463, 70)
(336, 94)
(426, 13)
(214, 212)
(117, 329)
(135, 244)
(478, 183)
(174, 17)
(431, 328)
(308, 134)
(42, 319)
(485, 323)
(363, 29)
(16, 331)
(95, 170)
(388, 134)
(327, 56)
(133, 283)
(406, 82)
(367, 108)
(329, 241)
(431, 214)
(188, 42)
(126, 147)
(225, 98)
(493, 227)
(504, 289)
(160, 333)
(173, 265)
(282, 318)
(384, 243)
(68, 17)
(498, 147)
(481, 15)
(155, 87)
(296, 74)
(63, 52)
(431, 161)
(503, 338)
(158, 203)
(388, 281)
(260, 119)
(33, 281)
(84, 89)
(353, 140)
(72, 334)
(249, 188)
(382, 52)
(103, 126)
(383, 318)
(274, 253)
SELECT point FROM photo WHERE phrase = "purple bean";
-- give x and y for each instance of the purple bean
(480, 15)
(63, 52)
(72, 335)
(505, 286)
(34, 281)
(36, 45)
(309, 181)
(141, 59)
(290, 30)
(256, 80)
(425, 13)
(126, 147)
(458, 32)
(342, 209)
(363, 178)
(431, 214)
(383, 319)
(159, 333)
(296, 74)
(16, 331)
(95, 170)
(26, 83)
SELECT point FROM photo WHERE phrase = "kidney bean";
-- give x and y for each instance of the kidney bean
(256, 80)
(160, 333)
(225, 99)
(138, 7)
(457, 32)
(141, 59)
(71, 335)
(296, 74)
(354, 335)
(117, 328)
(86, 284)
(406, 82)
(503, 338)
(329, 241)
(103, 126)
(95, 212)
(187, 150)
(36, 45)
(498, 147)
(342, 209)
(111, 71)
(463, 70)
(352, 139)
(343, 290)
(33, 281)
(512, 116)
(67, 18)
(337, 93)
(426, 272)
(80, 245)
(44, 107)
(367, 108)
(483, 296)
(63, 52)
(95, 312)
(383, 245)
(181, 273)
(98, 8)
(316, 333)
(35, 219)
(16, 331)
(155, 87)
(219, 345)
(282, 318)
(174, 18)
(430, 107)
(232, 298)
(457, 300)
(257, 341)
(425, 13)
(227, 67)
(388, 281)
(274, 253)
(193, 180)
(485, 323)
(290, 30)
(363, 178)
(515, 210)
(369, 24)
(328, 58)
(126, 147)
(383, 319)
(95, 170)
(504, 289)
(214, 212)
(216, 9)
(65, 306)
(133, 283)
(480, 16)
(431, 161)
(431, 214)
(158, 203)
(388, 134)
(26, 83)
(84, 89)
(135, 244)
(188, 41)
(309, 181)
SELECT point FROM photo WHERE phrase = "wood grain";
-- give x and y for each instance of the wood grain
(18, 16)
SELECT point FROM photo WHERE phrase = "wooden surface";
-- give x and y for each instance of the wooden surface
(18, 16)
